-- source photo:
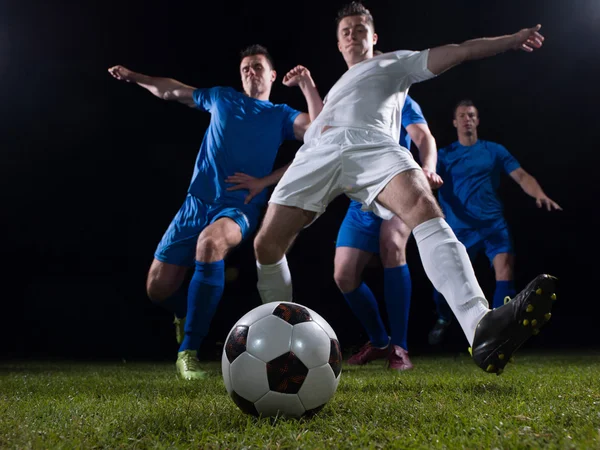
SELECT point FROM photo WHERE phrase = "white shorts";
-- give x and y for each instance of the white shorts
(351, 161)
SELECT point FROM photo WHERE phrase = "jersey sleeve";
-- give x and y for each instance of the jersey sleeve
(507, 161)
(204, 98)
(409, 66)
(289, 115)
(411, 113)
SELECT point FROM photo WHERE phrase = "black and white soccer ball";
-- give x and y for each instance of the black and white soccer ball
(281, 359)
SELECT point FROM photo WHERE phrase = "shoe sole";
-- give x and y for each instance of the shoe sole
(537, 313)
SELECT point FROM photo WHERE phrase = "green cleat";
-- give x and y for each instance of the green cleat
(179, 329)
(503, 330)
(188, 366)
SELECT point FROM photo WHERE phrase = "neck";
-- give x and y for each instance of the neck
(467, 139)
(259, 95)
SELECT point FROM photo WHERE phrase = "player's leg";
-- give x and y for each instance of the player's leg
(500, 251)
(397, 288)
(357, 241)
(173, 258)
(494, 335)
(279, 228)
(302, 194)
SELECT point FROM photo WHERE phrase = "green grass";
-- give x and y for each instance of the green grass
(541, 401)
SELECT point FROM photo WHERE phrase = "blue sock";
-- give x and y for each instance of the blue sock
(363, 304)
(397, 290)
(204, 294)
(441, 305)
(176, 303)
(504, 288)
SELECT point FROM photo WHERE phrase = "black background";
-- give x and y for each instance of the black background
(93, 169)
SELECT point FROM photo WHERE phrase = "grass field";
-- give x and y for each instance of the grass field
(546, 400)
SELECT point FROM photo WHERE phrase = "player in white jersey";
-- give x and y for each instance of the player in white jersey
(352, 148)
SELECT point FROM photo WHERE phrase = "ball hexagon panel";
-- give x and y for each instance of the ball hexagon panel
(274, 403)
(257, 313)
(318, 387)
(335, 357)
(310, 344)
(286, 374)
(324, 324)
(249, 377)
(292, 313)
(269, 338)
(236, 342)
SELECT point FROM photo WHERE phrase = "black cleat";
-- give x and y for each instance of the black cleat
(437, 333)
(503, 330)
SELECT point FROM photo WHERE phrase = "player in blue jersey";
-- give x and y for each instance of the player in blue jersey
(471, 169)
(364, 234)
(243, 136)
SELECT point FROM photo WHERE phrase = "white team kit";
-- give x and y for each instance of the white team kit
(352, 147)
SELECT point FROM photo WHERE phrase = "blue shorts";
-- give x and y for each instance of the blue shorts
(360, 229)
(493, 240)
(178, 244)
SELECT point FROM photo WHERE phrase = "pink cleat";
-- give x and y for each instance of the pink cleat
(398, 359)
(368, 353)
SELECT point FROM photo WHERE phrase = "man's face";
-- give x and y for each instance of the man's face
(257, 75)
(466, 120)
(355, 37)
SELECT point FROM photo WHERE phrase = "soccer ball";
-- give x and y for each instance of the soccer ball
(281, 359)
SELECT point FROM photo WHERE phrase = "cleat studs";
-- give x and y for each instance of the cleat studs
(533, 323)
(529, 308)
(501, 356)
(538, 291)
(525, 322)
(547, 316)
(536, 331)
(553, 297)
(490, 368)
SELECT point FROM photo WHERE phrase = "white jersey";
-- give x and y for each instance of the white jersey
(371, 94)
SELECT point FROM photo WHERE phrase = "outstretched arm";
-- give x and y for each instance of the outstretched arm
(300, 76)
(425, 142)
(530, 185)
(163, 88)
(443, 58)
(255, 185)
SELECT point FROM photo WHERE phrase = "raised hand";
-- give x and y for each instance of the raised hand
(528, 39)
(243, 181)
(121, 73)
(296, 76)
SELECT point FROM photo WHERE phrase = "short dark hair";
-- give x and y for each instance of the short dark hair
(354, 9)
(464, 102)
(257, 49)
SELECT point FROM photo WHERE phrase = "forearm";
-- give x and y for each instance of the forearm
(275, 176)
(164, 88)
(531, 187)
(447, 56)
(428, 154)
(313, 99)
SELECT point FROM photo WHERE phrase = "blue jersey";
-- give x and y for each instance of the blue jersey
(471, 178)
(243, 136)
(411, 114)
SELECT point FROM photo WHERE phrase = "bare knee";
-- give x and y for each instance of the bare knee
(503, 266)
(267, 250)
(210, 248)
(345, 279)
(393, 254)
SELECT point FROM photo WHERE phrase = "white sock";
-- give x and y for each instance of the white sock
(274, 281)
(449, 269)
